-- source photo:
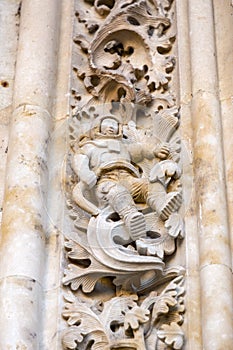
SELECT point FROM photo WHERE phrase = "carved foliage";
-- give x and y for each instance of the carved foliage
(125, 322)
(124, 53)
(110, 246)
(124, 189)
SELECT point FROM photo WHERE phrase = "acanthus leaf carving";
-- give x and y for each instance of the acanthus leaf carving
(110, 68)
(123, 321)
(85, 328)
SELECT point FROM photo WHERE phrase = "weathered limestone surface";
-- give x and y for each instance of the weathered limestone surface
(224, 48)
(23, 224)
(35, 97)
(56, 203)
(193, 288)
(209, 177)
(124, 180)
(9, 28)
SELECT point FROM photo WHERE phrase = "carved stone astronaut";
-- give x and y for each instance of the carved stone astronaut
(107, 162)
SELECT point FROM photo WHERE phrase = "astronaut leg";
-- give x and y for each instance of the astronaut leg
(120, 199)
(162, 202)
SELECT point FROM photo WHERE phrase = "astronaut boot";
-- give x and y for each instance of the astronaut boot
(165, 203)
(136, 224)
(122, 202)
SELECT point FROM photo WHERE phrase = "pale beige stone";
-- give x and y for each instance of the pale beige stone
(117, 211)
(216, 282)
(9, 23)
(56, 201)
(209, 177)
(10, 13)
(37, 51)
(23, 228)
(192, 321)
(224, 46)
(21, 311)
(35, 214)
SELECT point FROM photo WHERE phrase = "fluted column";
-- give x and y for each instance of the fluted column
(215, 255)
(192, 319)
(223, 15)
(23, 227)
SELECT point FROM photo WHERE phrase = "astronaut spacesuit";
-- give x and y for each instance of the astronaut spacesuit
(107, 163)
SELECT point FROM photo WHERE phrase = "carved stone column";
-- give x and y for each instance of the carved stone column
(9, 28)
(209, 177)
(223, 19)
(24, 219)
(193, 288)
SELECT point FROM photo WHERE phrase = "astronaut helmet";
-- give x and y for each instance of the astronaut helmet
(107, 126)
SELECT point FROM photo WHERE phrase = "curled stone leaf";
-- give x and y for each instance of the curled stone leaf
(135, 317)
(172, 335)
(84, 324)
(175, 225)
(71, 337)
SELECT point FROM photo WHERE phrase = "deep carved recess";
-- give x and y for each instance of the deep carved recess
(124, 180)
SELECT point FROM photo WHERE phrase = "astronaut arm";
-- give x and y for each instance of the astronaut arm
(140, 151)
(136, 152)
(162, 150)
(81, 167)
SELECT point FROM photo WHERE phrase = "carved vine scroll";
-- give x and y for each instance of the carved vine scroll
(124, 180)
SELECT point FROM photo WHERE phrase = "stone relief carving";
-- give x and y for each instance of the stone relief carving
(124, 187)
(122, 322)
(131, 190)
(124, 52)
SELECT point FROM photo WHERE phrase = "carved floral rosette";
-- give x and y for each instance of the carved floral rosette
(124, 185)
